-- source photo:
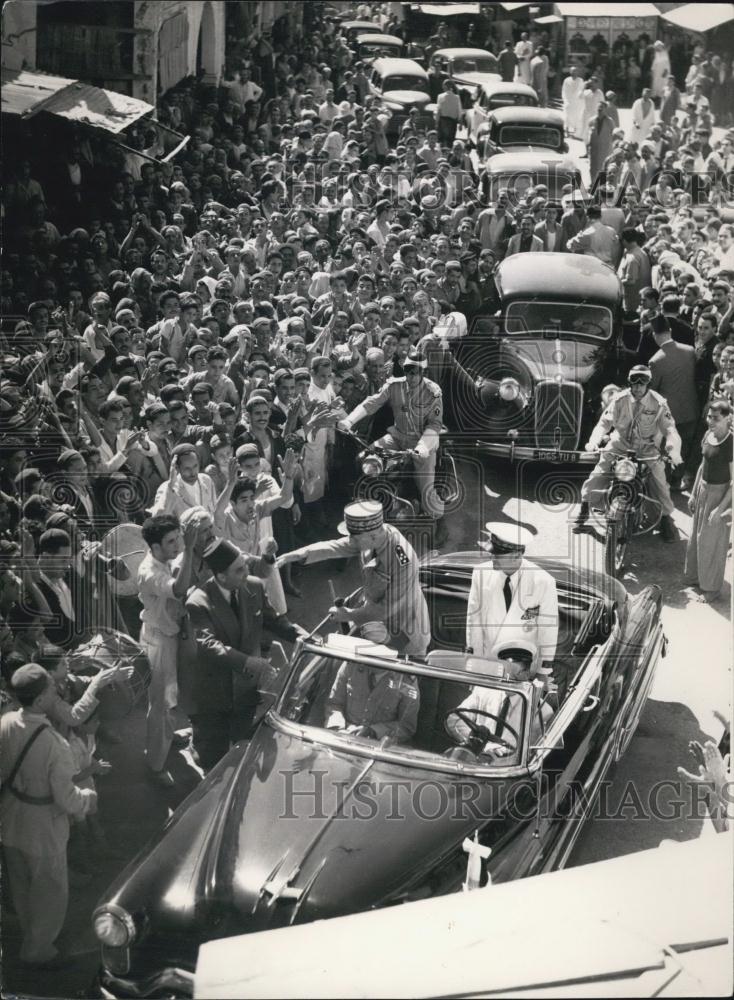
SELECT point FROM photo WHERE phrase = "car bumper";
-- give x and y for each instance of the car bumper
(525, 453)
(169, 982)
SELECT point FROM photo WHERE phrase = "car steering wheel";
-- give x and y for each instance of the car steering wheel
(480, 735)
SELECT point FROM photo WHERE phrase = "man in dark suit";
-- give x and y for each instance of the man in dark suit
(221, 665)
(673, 369)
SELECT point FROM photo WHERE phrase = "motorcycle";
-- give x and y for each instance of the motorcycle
(388, 475)
(628, 509)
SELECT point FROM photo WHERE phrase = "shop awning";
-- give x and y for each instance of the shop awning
(514, 6)
(608, 10)
(700, 16)
(549, 19)
(26, 93)
(447, 9)
(97, 107)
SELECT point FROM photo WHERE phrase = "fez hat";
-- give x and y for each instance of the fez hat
(220, 555)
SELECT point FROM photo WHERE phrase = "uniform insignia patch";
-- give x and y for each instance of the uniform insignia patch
(531, 614)
(402, 555)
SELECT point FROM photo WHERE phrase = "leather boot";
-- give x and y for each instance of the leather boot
(668, 529)
(582, 517)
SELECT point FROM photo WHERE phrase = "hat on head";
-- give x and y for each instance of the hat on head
(220, 555)
(506, 538)
(30, 680)
(416, 359)
(640, 371)
(361, 516)
(247, 451)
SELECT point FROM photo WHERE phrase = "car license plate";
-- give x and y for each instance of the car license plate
(551, 455)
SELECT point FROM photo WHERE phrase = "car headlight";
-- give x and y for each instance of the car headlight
(372, 465)
(113, 926)
(509, 389)
(625, 470)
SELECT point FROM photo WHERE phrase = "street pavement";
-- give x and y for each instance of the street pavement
(692, 682)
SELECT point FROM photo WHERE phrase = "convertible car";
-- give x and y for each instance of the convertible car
(546, 355)
(307, 821)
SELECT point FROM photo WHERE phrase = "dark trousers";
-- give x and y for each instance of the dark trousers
(446, 128)
(689, 435)
(214, 733)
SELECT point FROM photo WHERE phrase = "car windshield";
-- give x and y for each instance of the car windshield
(519, 181)
(380, 706)
(560, 317)
(475, 64)
(405, 82)
(530, 135)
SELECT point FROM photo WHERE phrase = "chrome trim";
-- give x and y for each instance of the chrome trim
(172, 978)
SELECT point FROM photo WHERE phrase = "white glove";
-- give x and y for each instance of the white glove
(421, 451)
(343, 425)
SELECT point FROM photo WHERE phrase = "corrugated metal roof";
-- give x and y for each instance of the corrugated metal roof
(94, 106)
(25, 92)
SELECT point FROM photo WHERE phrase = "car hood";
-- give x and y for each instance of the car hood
(477, 79)
(406, 96)
(285, 831)
(535, 357)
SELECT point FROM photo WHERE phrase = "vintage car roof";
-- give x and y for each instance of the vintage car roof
(367, 25)
(532, 158)
(379, 39)
(528, 116)
(388, 64)
(558, 275)
(491, 87)
(456, 51)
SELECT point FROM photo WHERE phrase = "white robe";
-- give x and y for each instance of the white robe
(533, 614)
(642, 123)
(572, 93)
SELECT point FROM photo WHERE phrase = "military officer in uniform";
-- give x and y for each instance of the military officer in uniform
(366, 701)
(417, 405)
(637, 419)
(39, 797)
(512, 598)
(390, 575)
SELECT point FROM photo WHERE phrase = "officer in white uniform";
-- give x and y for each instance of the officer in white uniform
(512, 598)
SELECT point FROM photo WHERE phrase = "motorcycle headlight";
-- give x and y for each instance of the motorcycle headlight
(372, 465)
(509, 389)
(113, 926)
(625, 470)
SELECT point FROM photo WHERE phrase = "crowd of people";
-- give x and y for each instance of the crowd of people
(195, 342)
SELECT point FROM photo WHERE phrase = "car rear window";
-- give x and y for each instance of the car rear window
(530, 135)
(405, 82)
(512, 100)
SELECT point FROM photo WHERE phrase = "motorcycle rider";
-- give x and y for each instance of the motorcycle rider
(417, 406)
(637, 419)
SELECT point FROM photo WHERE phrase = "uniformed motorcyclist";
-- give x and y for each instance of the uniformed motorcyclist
(377, 704)
(637, 419)
(417, 405)
(392, 591)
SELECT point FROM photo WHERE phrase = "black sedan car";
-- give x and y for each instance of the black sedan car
(553, 345)
(307, 821)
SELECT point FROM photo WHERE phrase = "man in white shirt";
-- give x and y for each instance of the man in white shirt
(162, 592)
(186, 486)
(512, 598)
(597, 239)
(328, 110)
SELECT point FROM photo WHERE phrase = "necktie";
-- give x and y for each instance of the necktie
(234, 603)
(507, 591)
